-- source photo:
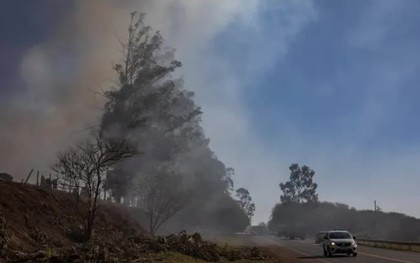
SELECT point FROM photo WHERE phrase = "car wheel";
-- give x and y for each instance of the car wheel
(355, 254)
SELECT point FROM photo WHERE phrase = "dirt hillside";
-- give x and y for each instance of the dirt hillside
(44, 225)
(34, 217)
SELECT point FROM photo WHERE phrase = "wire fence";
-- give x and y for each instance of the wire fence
(54, 182)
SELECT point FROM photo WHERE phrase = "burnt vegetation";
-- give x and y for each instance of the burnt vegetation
(87, 164)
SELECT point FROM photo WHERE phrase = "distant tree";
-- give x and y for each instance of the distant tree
(300, 188)
(211, 208)
(228, 217)
(87, 164)
(363, 223)
(259, 229)
(263, 224)
(245, 201)
(287, 214)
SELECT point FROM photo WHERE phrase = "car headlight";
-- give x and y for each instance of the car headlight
(332, 243)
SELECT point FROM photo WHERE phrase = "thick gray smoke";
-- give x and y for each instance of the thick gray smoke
(66, 74)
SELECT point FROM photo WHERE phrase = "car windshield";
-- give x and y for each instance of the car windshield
(340, 235)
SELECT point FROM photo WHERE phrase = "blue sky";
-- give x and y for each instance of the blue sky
(325, 83)
(331, 84)
(343, 98)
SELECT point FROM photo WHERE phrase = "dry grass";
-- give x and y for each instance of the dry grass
(393, 246)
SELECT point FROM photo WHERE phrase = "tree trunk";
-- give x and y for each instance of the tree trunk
(151, 230)
(92, 210)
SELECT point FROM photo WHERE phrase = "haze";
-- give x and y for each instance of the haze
(330, 84)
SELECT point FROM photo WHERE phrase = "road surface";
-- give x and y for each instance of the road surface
(308, 251)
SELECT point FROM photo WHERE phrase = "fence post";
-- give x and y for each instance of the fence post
(29, 175)
(37, 179)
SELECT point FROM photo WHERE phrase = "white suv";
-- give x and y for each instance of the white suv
(339, 241)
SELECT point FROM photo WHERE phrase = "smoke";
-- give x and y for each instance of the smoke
(65, 75)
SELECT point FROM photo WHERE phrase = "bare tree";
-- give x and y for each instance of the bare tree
(70, 169)
(161, 197)
(86, 165)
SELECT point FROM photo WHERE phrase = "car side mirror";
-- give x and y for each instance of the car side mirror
(354, 237)
(325, 238)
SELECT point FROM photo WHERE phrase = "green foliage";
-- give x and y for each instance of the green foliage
(300, 188)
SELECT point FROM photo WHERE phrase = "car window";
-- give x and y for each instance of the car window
(340, 235)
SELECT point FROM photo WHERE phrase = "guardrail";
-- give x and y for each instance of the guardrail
(395, 245)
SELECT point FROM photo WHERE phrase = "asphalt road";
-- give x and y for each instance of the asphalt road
(308, 250)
